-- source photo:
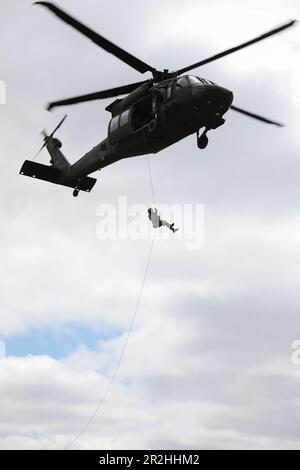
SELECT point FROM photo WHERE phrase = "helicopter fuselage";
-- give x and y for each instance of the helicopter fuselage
(154, 117)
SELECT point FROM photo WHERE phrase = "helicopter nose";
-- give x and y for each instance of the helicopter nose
(217, 98)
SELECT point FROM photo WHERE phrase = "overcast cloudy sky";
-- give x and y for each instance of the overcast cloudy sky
(208, 364)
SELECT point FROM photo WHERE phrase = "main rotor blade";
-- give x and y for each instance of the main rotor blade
(237, 48)
(256, 116)
(121, 90)
(107, 45)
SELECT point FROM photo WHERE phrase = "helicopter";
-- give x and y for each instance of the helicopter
(154, 114)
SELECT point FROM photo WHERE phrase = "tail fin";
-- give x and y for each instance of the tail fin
(53, 145)
(58, 160)
(57, 173)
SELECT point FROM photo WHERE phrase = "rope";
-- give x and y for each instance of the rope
(114, 375)
(149, 166)
(150, 178)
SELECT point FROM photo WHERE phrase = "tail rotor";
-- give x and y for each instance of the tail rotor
(49, 137)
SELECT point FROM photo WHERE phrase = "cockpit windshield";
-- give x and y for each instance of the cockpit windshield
(197, 81)
(193, 80)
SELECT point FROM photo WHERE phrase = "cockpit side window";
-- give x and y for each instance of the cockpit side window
(114, 123)
(124, 118)
(181, 83)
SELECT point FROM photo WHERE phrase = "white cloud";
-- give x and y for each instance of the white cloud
(45, 402)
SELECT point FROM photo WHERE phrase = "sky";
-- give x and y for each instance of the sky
(209, 363)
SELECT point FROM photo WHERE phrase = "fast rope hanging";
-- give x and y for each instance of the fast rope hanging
(135, 311)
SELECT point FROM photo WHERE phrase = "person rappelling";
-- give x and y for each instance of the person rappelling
(158, 222)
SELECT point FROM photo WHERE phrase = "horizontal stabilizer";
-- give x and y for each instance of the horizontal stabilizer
(53, 175)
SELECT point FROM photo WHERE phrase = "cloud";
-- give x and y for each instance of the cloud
(218, 406)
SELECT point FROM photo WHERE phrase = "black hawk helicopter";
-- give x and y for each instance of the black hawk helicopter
(155, 114)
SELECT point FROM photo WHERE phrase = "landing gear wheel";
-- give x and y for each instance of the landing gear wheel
(75, 192)
(202, 141)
